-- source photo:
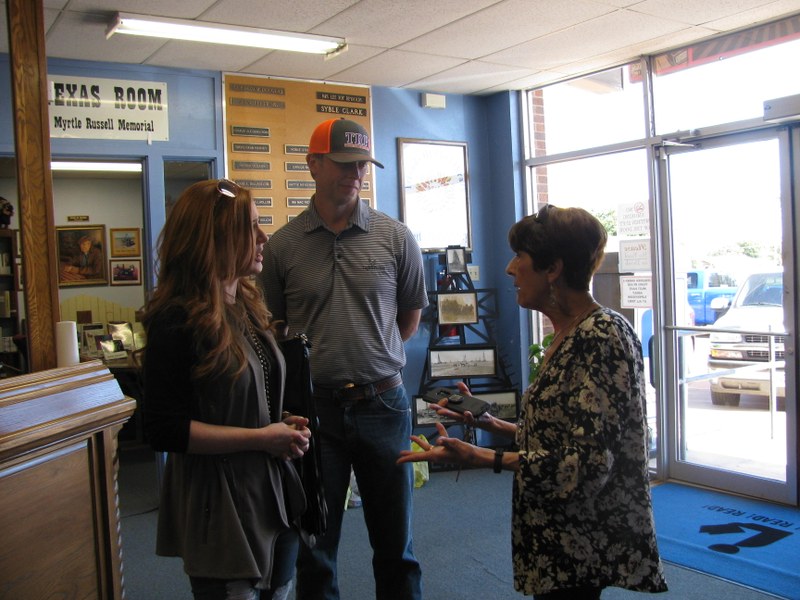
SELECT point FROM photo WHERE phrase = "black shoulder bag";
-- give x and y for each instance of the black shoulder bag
(299, 400)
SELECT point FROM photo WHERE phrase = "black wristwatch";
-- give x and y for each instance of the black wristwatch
(498, 460)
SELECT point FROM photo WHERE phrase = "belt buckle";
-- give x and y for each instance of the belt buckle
(341, 394)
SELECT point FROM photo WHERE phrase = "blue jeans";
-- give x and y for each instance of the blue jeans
(369, 436)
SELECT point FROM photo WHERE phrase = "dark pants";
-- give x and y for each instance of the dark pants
(369, 436)
(283, 566)
(582, 593)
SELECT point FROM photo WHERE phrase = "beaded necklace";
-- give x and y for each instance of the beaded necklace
(261, 352)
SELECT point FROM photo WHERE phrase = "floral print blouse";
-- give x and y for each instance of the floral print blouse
(582, 513)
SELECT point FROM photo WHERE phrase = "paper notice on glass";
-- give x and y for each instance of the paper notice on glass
(633, 219)
(634, 255)
(636, 291)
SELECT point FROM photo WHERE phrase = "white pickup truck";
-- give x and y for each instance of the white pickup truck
(754, 315)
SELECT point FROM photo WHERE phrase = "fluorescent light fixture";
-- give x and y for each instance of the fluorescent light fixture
(217, 33)
(114, 167)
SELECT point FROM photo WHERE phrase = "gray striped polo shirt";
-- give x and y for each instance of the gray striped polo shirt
(344, 291)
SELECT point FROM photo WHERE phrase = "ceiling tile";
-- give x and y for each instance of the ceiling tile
(63, 41)
(693, 12)
(395, 68)
(504, 25)
(196, 55)
(310, 66)
(586, 40)
(184, 9)
(449, 44)
(285, 15)
(387, 24)
(469, 78)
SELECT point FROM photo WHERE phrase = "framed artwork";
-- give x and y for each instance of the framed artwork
(81, 255)
(93, 339)
(125, 272)
(122, 330)
(434, 186)
(457, 308)
(504, 403)
(456, 260)
(87, 333)
(425, 416)
(125, 242)
(462, 362)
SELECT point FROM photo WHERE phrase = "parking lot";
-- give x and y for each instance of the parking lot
(746, 439)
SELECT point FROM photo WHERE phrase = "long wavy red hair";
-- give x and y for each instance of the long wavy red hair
(208, 241)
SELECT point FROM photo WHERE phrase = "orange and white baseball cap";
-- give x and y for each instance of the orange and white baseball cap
(342, 141)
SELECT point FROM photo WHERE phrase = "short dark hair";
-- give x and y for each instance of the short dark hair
(571, 234)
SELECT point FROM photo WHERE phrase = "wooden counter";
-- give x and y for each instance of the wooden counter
(59, 513)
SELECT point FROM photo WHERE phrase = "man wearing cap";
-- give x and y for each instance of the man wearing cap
(352, 279)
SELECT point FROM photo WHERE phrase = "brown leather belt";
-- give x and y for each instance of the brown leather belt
(351, 393)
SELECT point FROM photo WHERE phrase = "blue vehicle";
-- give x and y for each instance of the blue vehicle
(709, 294)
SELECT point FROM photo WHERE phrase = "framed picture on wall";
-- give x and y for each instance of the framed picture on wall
(462, 362)
(457, 308)
(125, 242)
(434, 187)
(125, 272)
(81, 255)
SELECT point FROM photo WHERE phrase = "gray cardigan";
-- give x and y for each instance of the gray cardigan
(220, 513)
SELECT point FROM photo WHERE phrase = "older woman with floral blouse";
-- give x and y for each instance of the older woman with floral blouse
(582, 513)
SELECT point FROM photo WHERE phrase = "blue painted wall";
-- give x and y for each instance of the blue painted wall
(490, 126)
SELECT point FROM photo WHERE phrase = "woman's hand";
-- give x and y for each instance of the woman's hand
(447, 450)
(288, 439)
(466, 417)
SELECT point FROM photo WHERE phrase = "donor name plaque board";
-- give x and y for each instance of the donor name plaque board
(268, 123)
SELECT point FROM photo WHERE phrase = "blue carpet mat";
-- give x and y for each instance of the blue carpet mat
(750, 542)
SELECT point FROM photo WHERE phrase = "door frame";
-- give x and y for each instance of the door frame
(667, 342)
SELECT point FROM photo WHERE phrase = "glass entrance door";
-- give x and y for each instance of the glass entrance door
(731, 392)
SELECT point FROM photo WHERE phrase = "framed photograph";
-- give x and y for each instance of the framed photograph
(112, 349)
(122, 330)
(457, 308)
(125, 242)
(456, 260)
(462, 362)
(504, 403)
(425, 416)
(87, 333)
(125, 272)
(434, 186)
(81, 255)
(93, 339)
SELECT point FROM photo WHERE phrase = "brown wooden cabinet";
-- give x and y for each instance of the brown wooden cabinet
(59, 513)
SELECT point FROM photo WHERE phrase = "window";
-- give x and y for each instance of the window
(726, 79)
(596, 110)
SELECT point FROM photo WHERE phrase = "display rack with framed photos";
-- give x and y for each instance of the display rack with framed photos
(462, 346)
